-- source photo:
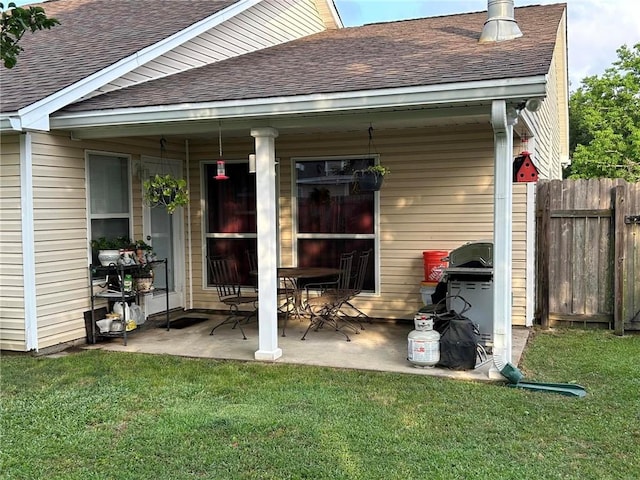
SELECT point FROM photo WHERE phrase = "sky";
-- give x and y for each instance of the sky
(596, 28)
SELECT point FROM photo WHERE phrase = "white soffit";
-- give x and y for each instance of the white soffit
(278, 107)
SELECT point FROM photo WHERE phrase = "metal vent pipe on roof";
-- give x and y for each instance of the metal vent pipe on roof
(501, 23)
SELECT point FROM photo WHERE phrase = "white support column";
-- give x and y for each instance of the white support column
(267, 243)
(502, 123)
(531, 254)
(28, 243)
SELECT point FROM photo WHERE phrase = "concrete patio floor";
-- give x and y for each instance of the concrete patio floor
(382, 346)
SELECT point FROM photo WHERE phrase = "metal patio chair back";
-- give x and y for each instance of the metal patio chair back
(323, 307)
(356, 288)
(225, 277)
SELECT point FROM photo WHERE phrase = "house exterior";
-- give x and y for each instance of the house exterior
(314, 101)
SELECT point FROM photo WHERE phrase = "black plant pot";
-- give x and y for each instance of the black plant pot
(370, 181)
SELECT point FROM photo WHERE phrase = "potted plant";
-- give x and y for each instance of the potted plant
(114, 251)
(143, 250)
(143, 277)
(106, 250)
(166, 190)
(370, 179)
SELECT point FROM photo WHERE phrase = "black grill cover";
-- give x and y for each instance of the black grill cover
(459, 338)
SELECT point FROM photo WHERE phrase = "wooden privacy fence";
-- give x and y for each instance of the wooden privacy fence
(588, 253)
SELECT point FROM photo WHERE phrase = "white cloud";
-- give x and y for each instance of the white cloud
(596, 29)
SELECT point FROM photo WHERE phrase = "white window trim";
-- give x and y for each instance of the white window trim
(295, 235)
(205, 215)
(90, 216)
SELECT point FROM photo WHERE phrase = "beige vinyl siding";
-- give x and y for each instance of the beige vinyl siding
(550, 125)
(264, 25)
(325, 13)
(60, 227)
(12, 327)
(519, 252)
(438, 196)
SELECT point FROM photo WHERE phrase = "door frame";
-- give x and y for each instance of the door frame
(157, 303)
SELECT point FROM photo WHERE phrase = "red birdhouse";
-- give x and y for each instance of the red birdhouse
(523, 169)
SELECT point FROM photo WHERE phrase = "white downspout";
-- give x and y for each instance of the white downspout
(267, 224)
(28, 244)
(502, 234)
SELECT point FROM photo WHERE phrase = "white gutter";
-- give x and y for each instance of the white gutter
(486, 90)
(28, 244)
(502, 234)
(36, 115)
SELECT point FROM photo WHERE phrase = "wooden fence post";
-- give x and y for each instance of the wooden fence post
(619, 256)
(545, 243)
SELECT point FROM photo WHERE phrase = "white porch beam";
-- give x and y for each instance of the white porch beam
(267, 243)
(502, 124)
(334, 121)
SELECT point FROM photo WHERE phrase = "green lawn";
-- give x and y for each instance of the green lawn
(93, 415)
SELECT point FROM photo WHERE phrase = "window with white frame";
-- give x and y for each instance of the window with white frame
(109, 195)
(230, 215)
(333, 215)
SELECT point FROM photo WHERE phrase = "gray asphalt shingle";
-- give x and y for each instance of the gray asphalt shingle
(428, 51)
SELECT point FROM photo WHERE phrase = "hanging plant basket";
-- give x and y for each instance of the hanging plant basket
(370, 179)
(167, 191)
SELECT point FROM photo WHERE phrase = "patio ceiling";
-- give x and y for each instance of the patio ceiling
(445, 104)
(340, 121)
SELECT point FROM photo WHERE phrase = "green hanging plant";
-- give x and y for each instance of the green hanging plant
(167, 191)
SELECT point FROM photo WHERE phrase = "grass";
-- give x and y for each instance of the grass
(99, 415)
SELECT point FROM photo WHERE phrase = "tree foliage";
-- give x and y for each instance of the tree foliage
(17, 21)
(604, 121)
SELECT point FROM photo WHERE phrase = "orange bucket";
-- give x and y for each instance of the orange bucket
(434, 264)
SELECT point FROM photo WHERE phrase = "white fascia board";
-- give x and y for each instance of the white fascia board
(36, 115)
(334, 13)
(459, 93)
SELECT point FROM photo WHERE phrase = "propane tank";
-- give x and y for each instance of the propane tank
(424, 342)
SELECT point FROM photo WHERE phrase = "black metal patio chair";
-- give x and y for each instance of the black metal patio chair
(347, 309)
(323, 300)
(286, 290)
(227, 282)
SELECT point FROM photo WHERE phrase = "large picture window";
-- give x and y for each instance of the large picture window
(333, 215)
(109, 196)
(230, 221)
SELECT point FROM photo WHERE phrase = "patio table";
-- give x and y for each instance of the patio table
(294, 275)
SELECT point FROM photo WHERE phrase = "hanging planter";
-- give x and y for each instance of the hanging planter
(167, 191)
(370, 179)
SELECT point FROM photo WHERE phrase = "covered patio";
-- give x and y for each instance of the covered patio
(382, 346)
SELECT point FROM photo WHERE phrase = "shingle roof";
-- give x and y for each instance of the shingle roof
(426, 51)
(92, 35)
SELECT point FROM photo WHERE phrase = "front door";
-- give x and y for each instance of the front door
(165, 234)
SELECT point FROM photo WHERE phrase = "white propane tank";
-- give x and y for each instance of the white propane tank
(424, 343)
